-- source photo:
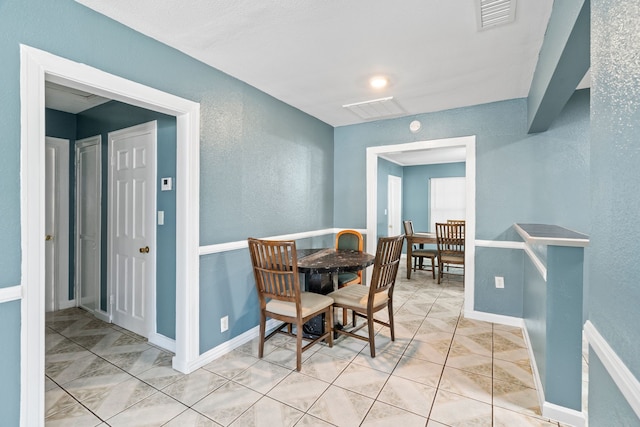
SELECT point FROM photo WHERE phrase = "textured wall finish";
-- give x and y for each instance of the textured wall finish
(266, 168)
(540, 178)
(615, 153)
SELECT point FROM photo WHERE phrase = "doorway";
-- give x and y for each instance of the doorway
(466, 142)
(38, 66)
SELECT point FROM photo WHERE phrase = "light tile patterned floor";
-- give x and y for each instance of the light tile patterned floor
(442, 370)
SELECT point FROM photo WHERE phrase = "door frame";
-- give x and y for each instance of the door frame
(469, 143)
(150, 293)
(61, 237)
(36, 67)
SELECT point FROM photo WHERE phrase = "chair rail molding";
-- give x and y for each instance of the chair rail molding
(242, 244)
(625, 380)
(10, 293)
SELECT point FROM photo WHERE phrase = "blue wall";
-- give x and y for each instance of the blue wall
(10, 358)
(615, 155)
(519, 177)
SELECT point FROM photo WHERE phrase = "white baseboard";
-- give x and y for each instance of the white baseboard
(563, 415)
(102, 315)
(162, 342)
(494, 318)
(62, 305)
(625, 380)
(230, 345)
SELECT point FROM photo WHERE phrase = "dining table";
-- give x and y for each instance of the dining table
(417, 239)
(321, 268)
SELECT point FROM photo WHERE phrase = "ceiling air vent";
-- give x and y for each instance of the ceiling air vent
(376, 108)
(495, 12)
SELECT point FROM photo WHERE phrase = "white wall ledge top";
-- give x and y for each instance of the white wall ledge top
(545, 234)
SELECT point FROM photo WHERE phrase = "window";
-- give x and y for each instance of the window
(447, 200)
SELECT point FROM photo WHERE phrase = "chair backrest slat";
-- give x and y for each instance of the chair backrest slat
(408, 227)
(275, 267)
(385, 267)
(450, 237)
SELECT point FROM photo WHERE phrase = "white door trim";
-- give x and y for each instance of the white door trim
(36, 66)
(469, 143)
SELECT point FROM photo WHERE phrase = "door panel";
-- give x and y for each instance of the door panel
(56, 224)
(50, 227)
(394, 205)
(88, 227)
(132, 215)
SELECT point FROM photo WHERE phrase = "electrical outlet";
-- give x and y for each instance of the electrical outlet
(499, 282)
(224, 323)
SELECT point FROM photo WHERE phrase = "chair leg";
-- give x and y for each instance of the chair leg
(433, 267)
(372, 340)
(299, 346)
(344, 317)
(263, 321)
(391, 325)
(329, 325)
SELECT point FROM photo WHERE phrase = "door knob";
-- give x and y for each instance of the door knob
(48, 237)
(144, 250)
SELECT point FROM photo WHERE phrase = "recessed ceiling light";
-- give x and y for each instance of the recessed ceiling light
(378, 82)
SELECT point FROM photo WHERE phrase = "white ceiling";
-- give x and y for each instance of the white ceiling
(318, 55)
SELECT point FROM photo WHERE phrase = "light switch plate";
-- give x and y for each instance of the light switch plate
(166, 184)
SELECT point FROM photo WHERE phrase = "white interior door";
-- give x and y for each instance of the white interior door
(132, 231)
(56, 224)
(394, 207)
(88, 214)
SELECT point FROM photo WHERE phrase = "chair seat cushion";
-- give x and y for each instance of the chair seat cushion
(346, 278)
(424, 253)
(357, 296)
(453, 259)
(309, 302)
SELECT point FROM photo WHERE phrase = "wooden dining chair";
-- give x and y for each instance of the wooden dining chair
(418, 253)
(275, 269)
(450, 243)
(351, 240)
(364, 301)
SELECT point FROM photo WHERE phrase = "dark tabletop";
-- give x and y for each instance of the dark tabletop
(319, 261)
